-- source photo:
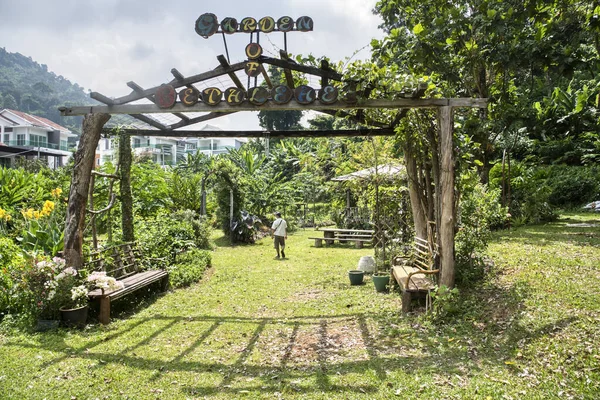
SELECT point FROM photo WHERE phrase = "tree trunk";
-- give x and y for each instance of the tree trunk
(125, 186)
(415, 191)
(80, 182)
(447, 198)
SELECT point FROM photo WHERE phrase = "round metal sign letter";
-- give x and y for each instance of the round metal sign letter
(206, 25)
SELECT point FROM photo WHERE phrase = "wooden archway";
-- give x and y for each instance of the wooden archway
(95, 117)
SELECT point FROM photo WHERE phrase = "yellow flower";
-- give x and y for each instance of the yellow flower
(56, 192)
(7, 217)
(47, 209)
(27, 214)
(2, 213)
(37, 214)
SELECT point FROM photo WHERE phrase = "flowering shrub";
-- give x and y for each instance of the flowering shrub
(44, 229)
(5, 218)
(52, 286)
(99, 280)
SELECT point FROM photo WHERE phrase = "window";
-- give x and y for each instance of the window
(137, 142)
(7, 129)
(38, 141)
(20, 140)
(63, 145)
(6, 138)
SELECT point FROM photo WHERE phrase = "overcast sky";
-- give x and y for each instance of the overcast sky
(103, 44)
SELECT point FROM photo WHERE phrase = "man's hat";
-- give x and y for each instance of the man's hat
(277, 214)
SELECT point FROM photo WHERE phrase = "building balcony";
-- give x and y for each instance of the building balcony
(32, 144)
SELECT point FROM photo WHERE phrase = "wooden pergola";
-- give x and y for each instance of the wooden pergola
(350, 106)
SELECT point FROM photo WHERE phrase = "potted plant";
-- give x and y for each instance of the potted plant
(356, 276)
(51, 286)
(381, 276)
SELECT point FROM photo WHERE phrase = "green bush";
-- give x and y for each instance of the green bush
(573, 186)
(189, 267)
(10, 260)
(479, 212)
(166, 235)
(530, 193)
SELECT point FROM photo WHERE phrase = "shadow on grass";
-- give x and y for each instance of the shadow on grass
(488, 332)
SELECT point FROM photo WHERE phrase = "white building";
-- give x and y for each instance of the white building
(31, 137)
(169, 150)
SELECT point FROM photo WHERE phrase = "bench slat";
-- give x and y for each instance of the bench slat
(131, 281)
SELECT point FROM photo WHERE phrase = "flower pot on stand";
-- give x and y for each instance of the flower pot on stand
(356, 276)
(74, 317)
(381, 282)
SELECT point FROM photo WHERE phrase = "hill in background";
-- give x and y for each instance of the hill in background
(28, 86)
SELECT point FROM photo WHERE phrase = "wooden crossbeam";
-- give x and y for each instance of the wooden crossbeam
(292, 105)
(202, 118)
(284, 62)
(325, 67)
(149, 121)
(231, 74)
(286, 71)
(345, 114)
(258, 134)
(102, 98)
(176, 83)
(263, 71)
(140, 89)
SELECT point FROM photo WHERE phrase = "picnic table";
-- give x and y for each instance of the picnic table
(358, 236)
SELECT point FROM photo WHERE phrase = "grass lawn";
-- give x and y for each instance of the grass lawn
(257, 327)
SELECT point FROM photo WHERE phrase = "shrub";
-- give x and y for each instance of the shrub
(480, 211)
(573, 186)
(189, 267)
(11, 259)
(530, 193)
(166, 235)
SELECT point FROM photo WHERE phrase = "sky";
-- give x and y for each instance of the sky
(103, 44)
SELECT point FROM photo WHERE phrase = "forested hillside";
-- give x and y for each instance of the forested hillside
(28, 86)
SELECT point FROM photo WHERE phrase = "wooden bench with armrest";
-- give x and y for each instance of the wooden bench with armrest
(415, 274)
(122, 262)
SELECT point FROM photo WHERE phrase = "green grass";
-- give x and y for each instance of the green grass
(256, 327)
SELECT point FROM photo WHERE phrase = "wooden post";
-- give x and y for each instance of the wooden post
(447, 197)
(80, 184)
(93, 216)
(231, 213)
(125, 159)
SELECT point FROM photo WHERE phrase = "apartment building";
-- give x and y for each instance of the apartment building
(32, 137)
(168, 150)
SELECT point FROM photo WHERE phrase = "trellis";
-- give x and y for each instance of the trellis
(351, 106)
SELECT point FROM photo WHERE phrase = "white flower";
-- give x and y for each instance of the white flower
(78, 292)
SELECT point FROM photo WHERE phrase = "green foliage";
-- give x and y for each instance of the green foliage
(444, 303)
(573, 186)
(149, 188)
(479, 212)
(185, 191)
(166, 235)
(189, 267)
(11, 258)
(28, 86)
(20, 189)
(530, 193)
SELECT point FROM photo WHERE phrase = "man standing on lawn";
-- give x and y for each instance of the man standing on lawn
(279, 229)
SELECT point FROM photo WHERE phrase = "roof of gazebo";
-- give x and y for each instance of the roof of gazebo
(387, 169)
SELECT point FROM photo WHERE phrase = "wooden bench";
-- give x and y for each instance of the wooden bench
(358, 236)
(122, 262)
(414, 273)
(358, 242)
